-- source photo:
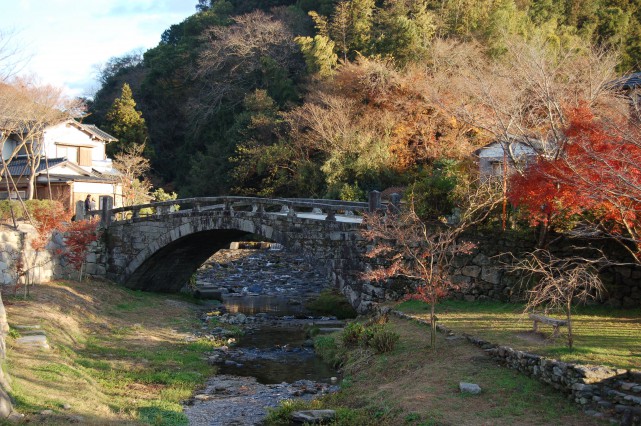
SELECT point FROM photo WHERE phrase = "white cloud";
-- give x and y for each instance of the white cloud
(67, 38)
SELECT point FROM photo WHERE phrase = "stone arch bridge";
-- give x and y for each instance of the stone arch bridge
(159, 246)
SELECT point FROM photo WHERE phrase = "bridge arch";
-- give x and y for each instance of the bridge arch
(160, 252)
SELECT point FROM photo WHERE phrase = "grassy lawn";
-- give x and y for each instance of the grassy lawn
(117, 356)
(604, 336)
(413, 385)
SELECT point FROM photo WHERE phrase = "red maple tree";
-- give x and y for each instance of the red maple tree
(79, 236)
(596, 177)
(48, 218)
(409, 247)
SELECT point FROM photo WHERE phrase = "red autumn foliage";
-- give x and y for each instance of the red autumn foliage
(47, 219)
(598, 172)
(414, 250)
(79, 236)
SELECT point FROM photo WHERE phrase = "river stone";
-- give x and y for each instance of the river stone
(472, 388)
(313, 416)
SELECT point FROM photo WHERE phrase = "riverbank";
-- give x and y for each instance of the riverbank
(104, 355)
(413, 385)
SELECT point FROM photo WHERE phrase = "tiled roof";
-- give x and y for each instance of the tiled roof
(20, 167)
(627, 82)
(100, 134)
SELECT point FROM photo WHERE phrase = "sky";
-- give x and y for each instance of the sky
(64, 40)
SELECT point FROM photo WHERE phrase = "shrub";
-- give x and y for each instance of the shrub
(383, 340)
(352, 334)
(330, 302)
(30, 205)
(327, 349)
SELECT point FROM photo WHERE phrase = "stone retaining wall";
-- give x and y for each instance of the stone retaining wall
(601, 391)
(482, 276)
(16, 251)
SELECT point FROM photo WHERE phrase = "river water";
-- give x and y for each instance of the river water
(263, 293)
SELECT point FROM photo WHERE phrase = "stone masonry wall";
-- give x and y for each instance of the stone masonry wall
(16, 250)
(482, 276)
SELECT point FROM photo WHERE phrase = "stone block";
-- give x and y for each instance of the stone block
(481, 260)
(461, 279)
(471, 271)
(491, 274)
(471, 388)
(377, 292)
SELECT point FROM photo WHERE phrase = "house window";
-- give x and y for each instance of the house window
(497, 168)
(71, 152)
(14, 195)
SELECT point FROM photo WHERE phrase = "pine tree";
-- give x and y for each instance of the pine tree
(125, 123)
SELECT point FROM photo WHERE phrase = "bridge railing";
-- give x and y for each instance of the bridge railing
(292, 207)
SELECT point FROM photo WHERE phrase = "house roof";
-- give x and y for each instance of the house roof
(15, 125)
(95, 132)
(20, 166)
(536, 145)
(627, 82)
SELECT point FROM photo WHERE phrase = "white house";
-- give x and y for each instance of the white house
(70, 163)
(516, 152)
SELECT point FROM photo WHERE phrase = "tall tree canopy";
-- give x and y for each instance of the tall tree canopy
(125, 122)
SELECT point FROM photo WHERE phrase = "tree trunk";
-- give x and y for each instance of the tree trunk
(569, 317)
(432, 326)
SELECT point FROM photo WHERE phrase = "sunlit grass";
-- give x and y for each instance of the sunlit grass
(415, 385)
(118, 356)
(602, 335)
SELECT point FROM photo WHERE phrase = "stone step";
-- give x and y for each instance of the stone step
(26, 327)
(36, 341)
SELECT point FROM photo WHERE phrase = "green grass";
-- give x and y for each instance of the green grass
(124, 360)
(330, 302)
(602, 335)
(414, 385)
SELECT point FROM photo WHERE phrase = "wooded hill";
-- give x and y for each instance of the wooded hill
(333, 98)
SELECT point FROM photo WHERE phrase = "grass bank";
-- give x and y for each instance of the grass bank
(603, 336)
(412, 385)
(117, 356)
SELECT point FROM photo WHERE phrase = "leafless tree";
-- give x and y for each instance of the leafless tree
(423, 251)
(559, 282)
(133, 168)
(12, 55)
(524, 95)
(232, 60)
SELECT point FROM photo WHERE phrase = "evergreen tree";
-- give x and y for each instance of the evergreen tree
(125, 123)
(319, 54)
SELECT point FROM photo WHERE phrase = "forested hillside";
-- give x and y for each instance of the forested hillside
(334, 98)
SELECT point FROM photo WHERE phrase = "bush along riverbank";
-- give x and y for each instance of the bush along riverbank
(405, 382)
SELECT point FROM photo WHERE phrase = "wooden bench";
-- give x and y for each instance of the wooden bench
(555, 323)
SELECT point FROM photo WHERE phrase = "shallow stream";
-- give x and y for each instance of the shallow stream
(263, 294)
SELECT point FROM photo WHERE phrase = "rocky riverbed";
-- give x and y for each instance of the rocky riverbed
(267, 356)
